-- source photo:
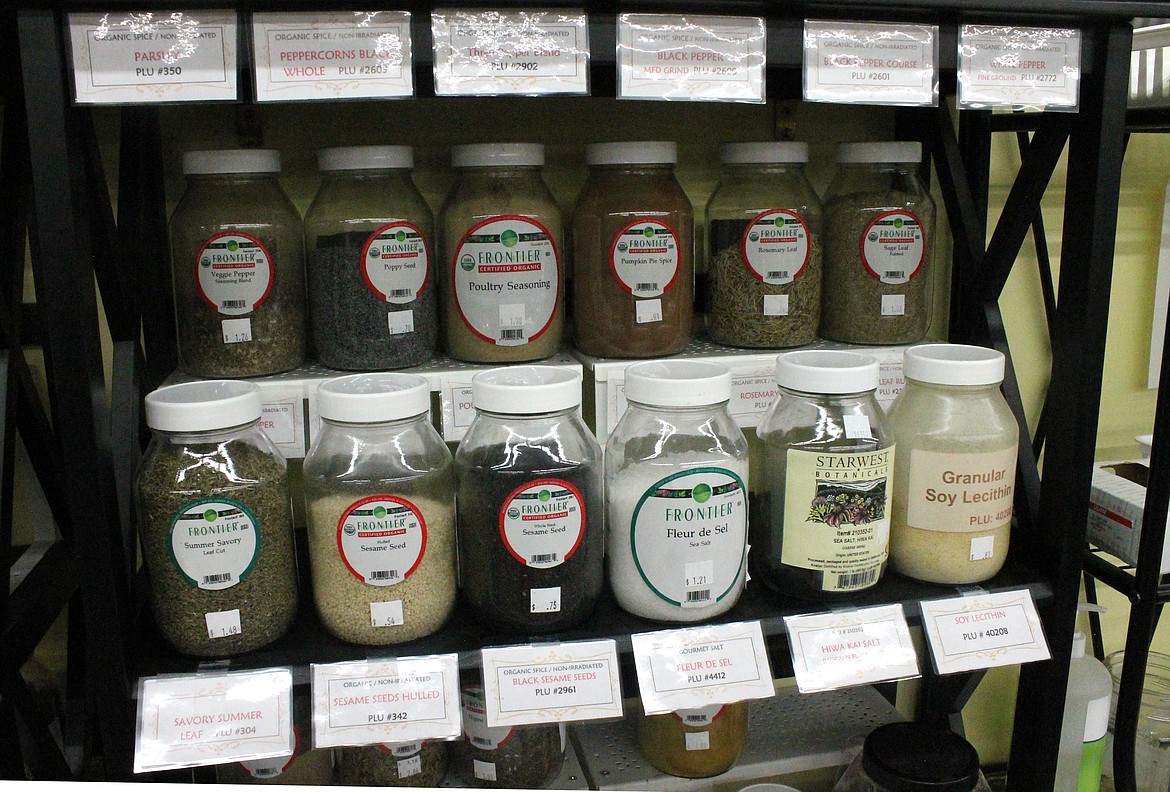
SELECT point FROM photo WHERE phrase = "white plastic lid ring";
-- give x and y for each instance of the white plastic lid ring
(231, 161)
(373, 398)
(488, 154)
(526, 390)
(632, 153)
(348, 158)
(777, 152)
(954, 364)
(895, 151)
(826, 371)
(678, 383)
(203, 406)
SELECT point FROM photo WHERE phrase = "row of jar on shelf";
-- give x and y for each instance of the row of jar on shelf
(536, 517)
(370, 281)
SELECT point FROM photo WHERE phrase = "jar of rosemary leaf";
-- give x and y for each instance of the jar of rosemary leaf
(422, 763)
(372, 299)
(237, 267)
(214, 520)
(502, 242)
(764, 237)
(503, 757)
(879, 233)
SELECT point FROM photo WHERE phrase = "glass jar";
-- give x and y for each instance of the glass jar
(380, 499)
(237, 267)
(502, 242)
(695, 743)
(821, 527)
(531, 535)
(1151, 749)
(676, 471)
(422, 763)
(372, 299)
(503, 757)
(955, 473)
(214, 520)
(306, 766)
(879, 235)
(764, 237)
(914, 757)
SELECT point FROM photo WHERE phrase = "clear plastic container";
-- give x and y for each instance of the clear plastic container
(531, 526)
(764, 238)
(237, 267)
(373, 302)
(422, 763)
(214, 520)
(676, 471)
(503, 757)
(380, 497)
(695, 743)
(1152, 740)
(914, 757)
(306, 766)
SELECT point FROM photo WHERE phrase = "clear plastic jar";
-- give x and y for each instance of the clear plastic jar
(821, 527)
(503, 757)
(955, 475)
(422, 763)
(695, 743)
(764, 238)
(914, 757)
(633, 254)
(373, 303)
(879, 237)
(306, 766)
(531, 527)
(380, 497)
(502, 247)
(214, 520)
(676, 471)
(237, 267)
(1152, 741)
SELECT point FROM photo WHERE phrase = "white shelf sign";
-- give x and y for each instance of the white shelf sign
(700, 666)
(356, 55)
(551, 683)
(848, 648)
(983, 631)
(143, 58)
(386, 701)
(1023, 68)
(529, 53)
(206, 719)
(689, 58)
(870, 63)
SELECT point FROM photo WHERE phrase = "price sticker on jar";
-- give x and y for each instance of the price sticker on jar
(983, 631)
(850, 647)
(551, 683)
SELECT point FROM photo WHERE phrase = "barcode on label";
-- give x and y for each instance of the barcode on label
(857, 579)
(511, 333)
(645, 287)
(399, 293)
(384, 574)
(222, 577)
(778, 274)
(703, 595)
(233, 304)
(895, 273)
(542, 558)
(482, 741)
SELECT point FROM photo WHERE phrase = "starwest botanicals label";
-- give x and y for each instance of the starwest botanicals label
(542, 523)
(475, 728)
(775, 246)
(644, 257)
(234, 272)
(382, 539)
(893, 247)
(395, 263)
(837, 515)
(688, 535)
(960, 492)
(214, 542)
(506, 279)
(700, 716)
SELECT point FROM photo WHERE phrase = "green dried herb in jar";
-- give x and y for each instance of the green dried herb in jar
(412, 764)
(502, 757)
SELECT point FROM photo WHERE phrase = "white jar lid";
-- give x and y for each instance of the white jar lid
(953, 364)
(365, 158)
(632, 153)
(487, 154)
(826, 371)
(231, 161)
(894, 151)
(764, 153)
(526, 390)
(203, 406)
(373, 398)
(678, 383)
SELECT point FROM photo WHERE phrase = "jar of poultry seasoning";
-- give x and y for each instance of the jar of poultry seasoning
(955, 473)
(237, 267)
(879, 231)
(695, 743)
(502, 243)
(380, 496)
(633, 253)
(372, 299)
(531, 537)
(676, 471)
(821, 526)
(214, 520)
(764, 237)
(503, 757)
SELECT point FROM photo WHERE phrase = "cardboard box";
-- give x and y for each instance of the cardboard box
(1116, 502)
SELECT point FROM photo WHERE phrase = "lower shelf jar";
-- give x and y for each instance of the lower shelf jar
(695, 743)
(304, 767)
(422, 763)
(502, 757)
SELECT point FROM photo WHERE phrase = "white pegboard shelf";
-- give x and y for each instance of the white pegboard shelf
(1149, 68)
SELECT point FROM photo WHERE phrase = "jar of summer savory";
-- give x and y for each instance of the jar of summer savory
(954, 476)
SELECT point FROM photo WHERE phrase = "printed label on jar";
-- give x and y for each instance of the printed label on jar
(700, 716)
(684, 520)
(644, 257)
(959, 493)
(402, 750)
(499, 261)
(233, 272)
(272, 767)
(475, 728)
(395, 263)
(775, 246)
(837, 516)
(542, 522)
(214, 542)
(893, 247)
(382, 539)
